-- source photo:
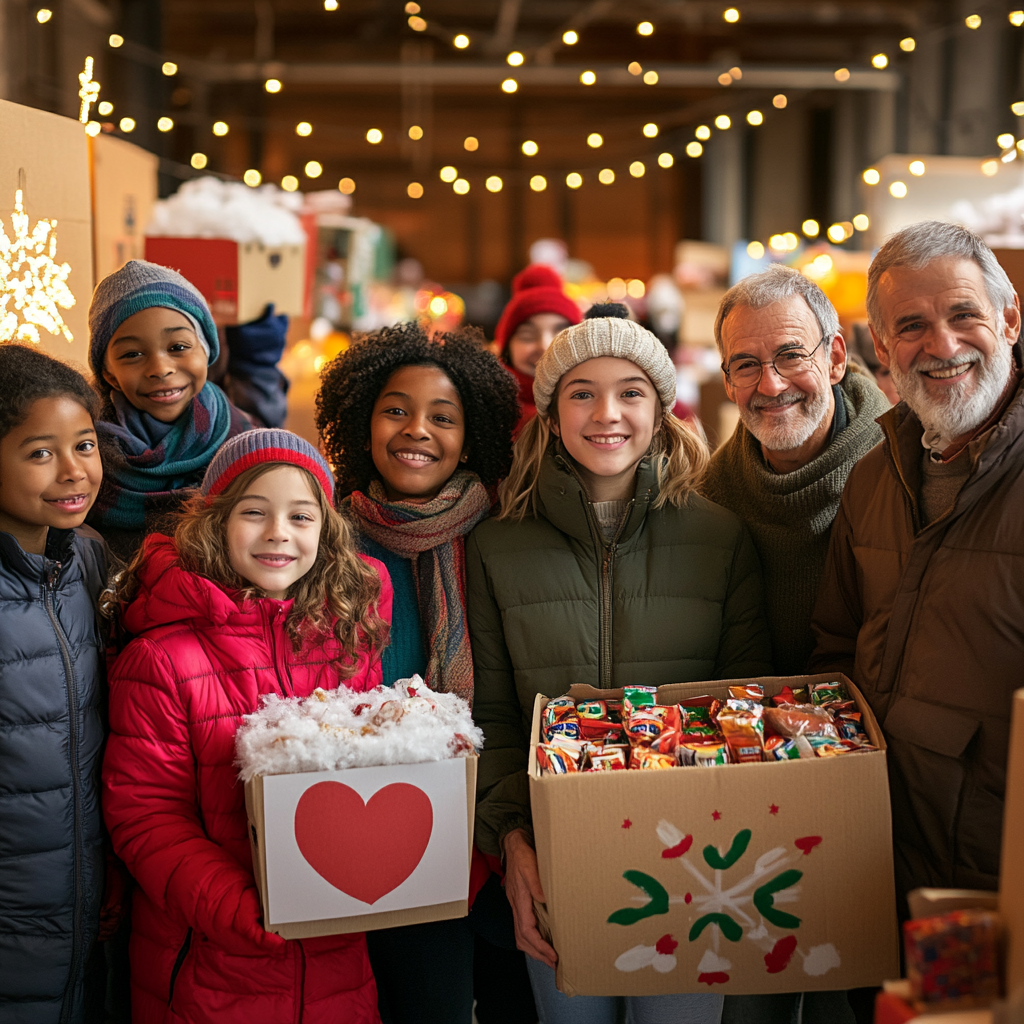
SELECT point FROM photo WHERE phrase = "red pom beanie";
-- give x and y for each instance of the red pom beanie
(537, 289)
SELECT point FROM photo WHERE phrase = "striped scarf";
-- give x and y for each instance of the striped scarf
(432, 536)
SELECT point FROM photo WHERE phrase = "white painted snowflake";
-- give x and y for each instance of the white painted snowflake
(33, 286)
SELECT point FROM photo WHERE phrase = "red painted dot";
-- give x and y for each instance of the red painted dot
(716, 815)
(627, 823)
(687, 898)
(774, 809)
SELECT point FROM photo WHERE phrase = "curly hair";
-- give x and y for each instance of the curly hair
(337, 596)
(30, 375)
(351, 383)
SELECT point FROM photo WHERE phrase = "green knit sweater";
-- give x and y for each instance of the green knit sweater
(790, 515)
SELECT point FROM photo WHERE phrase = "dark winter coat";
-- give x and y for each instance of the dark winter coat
(675, 597)
(175, 808)
(51, 739)
(929, 622)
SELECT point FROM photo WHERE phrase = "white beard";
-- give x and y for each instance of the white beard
(808, 412)
(966, 405)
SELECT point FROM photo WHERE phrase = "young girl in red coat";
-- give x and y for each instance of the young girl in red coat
(260, 591)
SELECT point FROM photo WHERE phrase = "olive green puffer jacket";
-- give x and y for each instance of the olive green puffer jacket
(675, 597)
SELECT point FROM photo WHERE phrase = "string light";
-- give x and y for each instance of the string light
(736, 73)
(693, 149)
(723, 122)
(105, 108)
(1005, 141)
(755, 250)
(588, 78)
(509, 85)
(515, 59)
(574, 179)
(635, 288)
(164, 124)
(595, 140)
(494, 184)
(93, 128)
(634, 68)
(666, 160)
(842, 75)
(1016, 18)
(290, 183)
(973, 21)
(346, 186)
(1018, 108)
(417, 24)
(538, 183)
(836, 233)
(330, 5)
(32, 283)
(637, 169)
(908, 44)
(725, 78)
(415, 132)
(471, 144)
(252, 177)
(650, 78)
(755, 117)
(880, 61)
(861, 222)
(871, 176)
(448, 174)
(272, 85)
(530, 148)
(304, 128)
(606, 176)
(990, 168)
(731, 15)
(898, 190)
(438, 305)
(89, 90)
(43, 15)
(811, 228)
(570, 38)
(169, 68)
(199, 161)
(779, 101)
(126, 124)
(374, 136)
(414, 190)
(460, 186)
(460, 42)
(220, 128)
(114, 41)
(703, 132)
(616, 288)
(313, 169)
(645, 28)
(412, 7)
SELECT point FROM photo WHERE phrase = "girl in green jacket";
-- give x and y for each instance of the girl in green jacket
(604, 567)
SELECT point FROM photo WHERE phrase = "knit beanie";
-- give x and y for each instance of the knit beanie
(605, 331)
(258, 447)
(537, 289)
(140, 285)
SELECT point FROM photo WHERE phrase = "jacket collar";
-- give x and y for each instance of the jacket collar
(59, 549)
(562, 499)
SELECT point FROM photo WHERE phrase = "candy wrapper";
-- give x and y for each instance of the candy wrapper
(742, 725)
(953, 960)
(555, 760)
(800, 720)
(561, 719)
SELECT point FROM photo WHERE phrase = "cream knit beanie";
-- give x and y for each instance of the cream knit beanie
(605, 331)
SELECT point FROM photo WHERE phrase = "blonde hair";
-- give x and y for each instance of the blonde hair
(679, 450)
(338, 596)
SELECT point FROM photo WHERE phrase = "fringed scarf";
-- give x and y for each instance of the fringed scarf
(433, 537)
(148, 463)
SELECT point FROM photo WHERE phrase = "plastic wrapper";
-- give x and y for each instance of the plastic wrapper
(608, 758)
(554, 761)
(561, 719)
(601, 720)
(749, 691)
(644, 758)
(634, 697)
(645, 725)
(800, 720)
(824, 694)
(704, 754)
(743, 729)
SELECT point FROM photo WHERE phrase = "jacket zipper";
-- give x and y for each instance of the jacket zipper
(300, 968)
(272, 619)
(49, 589)
(606, 653)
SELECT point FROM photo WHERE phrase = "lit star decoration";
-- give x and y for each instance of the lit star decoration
(89, 92)
(32, 283)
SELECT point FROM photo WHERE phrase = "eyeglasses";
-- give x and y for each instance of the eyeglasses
(745, 372)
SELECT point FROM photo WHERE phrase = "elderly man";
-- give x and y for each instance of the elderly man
(804, 421)
(922, 602)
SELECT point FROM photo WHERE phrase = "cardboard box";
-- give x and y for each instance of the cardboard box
(364, 848)
(237, 279)
(795, 858)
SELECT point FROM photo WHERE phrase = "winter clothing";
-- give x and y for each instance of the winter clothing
(200, 660)
(790, 515)
(431, 535)
(527, 409)
(926, 620)
(51, 737)
(140, 285)
(675, 597)
(605, 336)
(259, 447)
(537, 289)
(253, 381)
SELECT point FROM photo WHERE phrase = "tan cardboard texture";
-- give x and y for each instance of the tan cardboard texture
(260, 827)
(740, 879)
(1011, 892)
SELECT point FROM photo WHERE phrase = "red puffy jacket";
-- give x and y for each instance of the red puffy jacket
(176, 811)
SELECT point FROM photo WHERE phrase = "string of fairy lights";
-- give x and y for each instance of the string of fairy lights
(1010, 147)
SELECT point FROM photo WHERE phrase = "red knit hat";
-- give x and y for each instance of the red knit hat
(537, 289)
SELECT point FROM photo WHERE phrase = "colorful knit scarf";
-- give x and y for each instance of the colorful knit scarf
(149, 461)
(433, 537)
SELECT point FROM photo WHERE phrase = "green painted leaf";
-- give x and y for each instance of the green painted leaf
(738, 848)
(657, 905)
(764, 899)
(730, 929)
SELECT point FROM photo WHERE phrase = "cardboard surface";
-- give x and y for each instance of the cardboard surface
(1011, 893)
(46, 155)
(123, 193)
(362, 849)
(237, 279)
(796, 857)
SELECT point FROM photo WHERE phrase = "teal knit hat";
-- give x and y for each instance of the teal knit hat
(139, 285)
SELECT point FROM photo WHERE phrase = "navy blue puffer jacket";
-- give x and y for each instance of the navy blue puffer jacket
(51, 740)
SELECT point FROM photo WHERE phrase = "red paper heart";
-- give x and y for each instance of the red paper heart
(782, 952)
(365, 850)
(807, 843)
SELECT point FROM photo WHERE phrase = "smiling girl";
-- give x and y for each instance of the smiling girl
(420, 432)
(605, 568)
(152, 340)
(260, 591)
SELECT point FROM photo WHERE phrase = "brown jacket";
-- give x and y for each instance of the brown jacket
(930, 624)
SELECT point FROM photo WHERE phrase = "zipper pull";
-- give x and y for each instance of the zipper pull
(53, 575)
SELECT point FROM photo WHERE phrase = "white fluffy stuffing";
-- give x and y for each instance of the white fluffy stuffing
(333, 729)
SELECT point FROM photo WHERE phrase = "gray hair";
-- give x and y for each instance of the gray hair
(917, 245)
(771, 286)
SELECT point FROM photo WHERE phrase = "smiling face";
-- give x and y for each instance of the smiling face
(156, 361)
(948, 349)
(608, 412)
(50, 471)
(532, 338)
(273, 530)
(417, 433)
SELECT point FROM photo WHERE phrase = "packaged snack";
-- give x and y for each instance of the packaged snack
(598, 721)
(848, 724)
(750, 691)
(561, 719)
(823, 694)
(789, 696)
(703, 753)
(645, 758)
(638, 697)
(554, 761)
(570, 747)
(593, 709)
(609, 760)
(780, 748)
(646, 724)
(800, 720)
(704, 709)
(743, 729)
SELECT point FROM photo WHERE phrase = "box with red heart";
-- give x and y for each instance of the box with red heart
(365, 848)
(738, 878)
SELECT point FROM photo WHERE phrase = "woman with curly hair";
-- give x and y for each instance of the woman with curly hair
(419, 431)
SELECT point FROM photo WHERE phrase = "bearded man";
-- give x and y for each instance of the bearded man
(922, 603)
(806, 416)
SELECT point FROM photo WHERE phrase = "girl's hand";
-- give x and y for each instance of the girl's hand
(522, 887)
(239, 929)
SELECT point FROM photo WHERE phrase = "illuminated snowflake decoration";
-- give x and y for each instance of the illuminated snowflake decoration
(33, 286)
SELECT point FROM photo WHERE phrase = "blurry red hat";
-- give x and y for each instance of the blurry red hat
(537, 289)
